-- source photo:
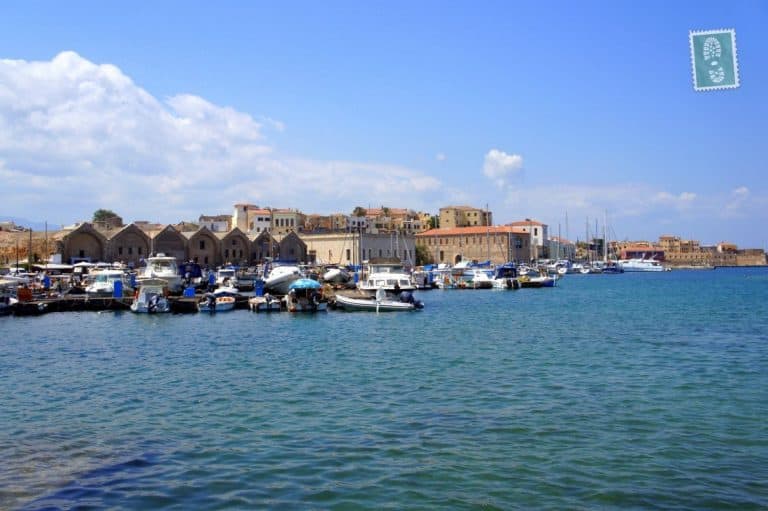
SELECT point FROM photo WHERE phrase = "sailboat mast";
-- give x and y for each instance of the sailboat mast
(487, 232)
(605, 238)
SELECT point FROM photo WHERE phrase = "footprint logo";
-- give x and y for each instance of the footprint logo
(712, 52)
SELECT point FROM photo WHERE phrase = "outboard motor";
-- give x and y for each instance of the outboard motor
(152, 304)
(210, 301)
(406, 297)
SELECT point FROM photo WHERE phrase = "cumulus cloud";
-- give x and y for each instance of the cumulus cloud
(499, 166)
(76, 136)
(680, 201)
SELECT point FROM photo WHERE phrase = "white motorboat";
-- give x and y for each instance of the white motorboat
(162, 267)
(387, 274)
(102, 282)
(7, 296)
(336, 275)
(226, 277)
(151, 297)
(280, 277)
(379, 303)
(505, 277)
(641, 265)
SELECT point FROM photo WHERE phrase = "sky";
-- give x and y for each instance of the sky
(565, 112)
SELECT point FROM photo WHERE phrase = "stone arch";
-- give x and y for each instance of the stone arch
(84, 243)
(170, 242)
(204, 247)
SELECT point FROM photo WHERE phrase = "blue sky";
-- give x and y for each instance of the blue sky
(168, 110)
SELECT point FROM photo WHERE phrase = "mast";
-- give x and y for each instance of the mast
(605, 238)
(487, 231)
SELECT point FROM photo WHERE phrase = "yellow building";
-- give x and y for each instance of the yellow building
(464, 216)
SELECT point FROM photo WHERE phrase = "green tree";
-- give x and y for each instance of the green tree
(423, 256)
(101, 215)
(434, 222)
(359, 211)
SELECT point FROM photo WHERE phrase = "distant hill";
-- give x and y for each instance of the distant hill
(26, 223)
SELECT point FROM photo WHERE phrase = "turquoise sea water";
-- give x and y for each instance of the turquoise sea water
(634, 391)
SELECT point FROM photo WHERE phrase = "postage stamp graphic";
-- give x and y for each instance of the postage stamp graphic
(713, 58)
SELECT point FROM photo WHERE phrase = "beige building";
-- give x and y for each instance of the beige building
(216, 223)
(537, 232)
(464, 216)
(286, 220)
(499, 244)
(251, 219)
(353, 247)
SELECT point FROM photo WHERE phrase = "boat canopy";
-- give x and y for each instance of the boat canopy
(304, 284)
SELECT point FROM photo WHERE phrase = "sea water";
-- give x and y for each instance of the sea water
(634, 391)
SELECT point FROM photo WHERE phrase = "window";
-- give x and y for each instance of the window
(349, 255)
(139, 251)
(226, 253)
(234, 242)
(130, 250)
(202, 244)
(119, 250)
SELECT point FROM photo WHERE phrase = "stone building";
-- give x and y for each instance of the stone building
(464, 216)
(203, 247)
(353, 248)
(499, 244)
(128, 245)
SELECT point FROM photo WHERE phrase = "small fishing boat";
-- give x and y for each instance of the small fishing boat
(541, 280)
(379, 303)
(151, 297)
(304, 296)
(266, 303)
(214, 303)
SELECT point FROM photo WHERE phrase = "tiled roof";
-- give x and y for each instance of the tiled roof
(480, 229)
(526, 223)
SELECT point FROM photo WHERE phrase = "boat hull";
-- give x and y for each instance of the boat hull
(372, 305)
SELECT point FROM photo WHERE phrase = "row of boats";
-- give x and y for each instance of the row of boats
(385, 284)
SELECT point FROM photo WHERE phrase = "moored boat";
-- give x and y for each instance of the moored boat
(213, 303)
(162, 267)
(151, 297)
(280, 277)
(266, 303)
(304, 296)
(379, 303)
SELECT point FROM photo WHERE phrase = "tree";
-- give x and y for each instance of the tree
(101, 215)
(434, 222)
(359, 211)
(423, 256)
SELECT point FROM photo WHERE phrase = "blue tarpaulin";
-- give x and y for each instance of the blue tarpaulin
(305, 284)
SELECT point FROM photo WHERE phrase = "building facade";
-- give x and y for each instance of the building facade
(499, 244)
(464, 216)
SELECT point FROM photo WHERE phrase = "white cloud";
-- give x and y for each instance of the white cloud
(440, 157)
(499, 165)
(76, 136)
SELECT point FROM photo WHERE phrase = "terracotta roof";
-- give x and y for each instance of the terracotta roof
(493, 229)
(463, 208)
(525, 223)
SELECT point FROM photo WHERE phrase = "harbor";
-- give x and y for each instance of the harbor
(552, 398)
